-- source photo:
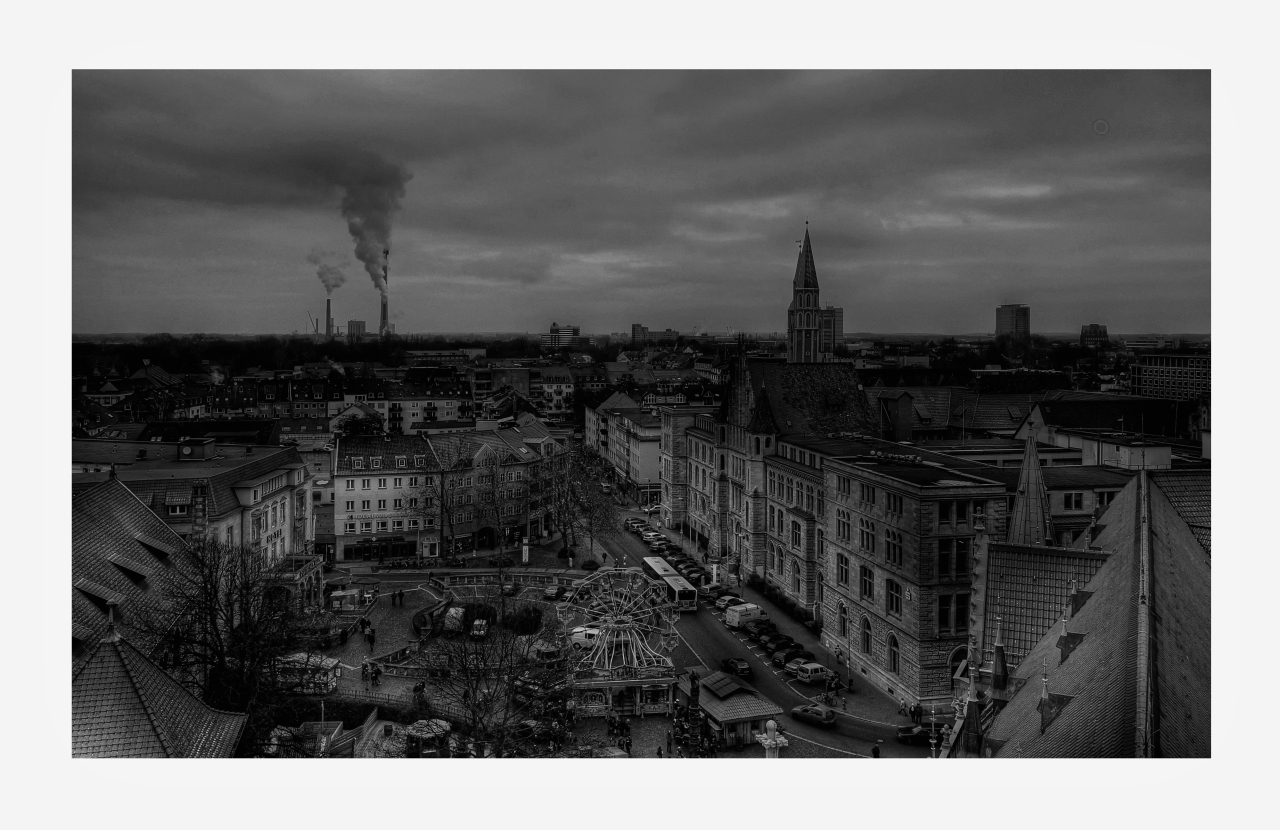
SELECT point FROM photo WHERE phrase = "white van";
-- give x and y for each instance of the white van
(583, 637)
(812, 672)
(737, 616)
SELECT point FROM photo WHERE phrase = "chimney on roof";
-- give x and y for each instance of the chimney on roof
(999, 666)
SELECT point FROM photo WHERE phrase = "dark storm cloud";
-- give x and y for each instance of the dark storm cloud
(604, 198)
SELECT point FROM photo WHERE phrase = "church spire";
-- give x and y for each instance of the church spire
(806, 271)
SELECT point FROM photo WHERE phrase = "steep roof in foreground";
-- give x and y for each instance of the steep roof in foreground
(1134, 679)
(124, 706)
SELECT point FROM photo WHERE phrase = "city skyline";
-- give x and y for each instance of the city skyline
(671, 199)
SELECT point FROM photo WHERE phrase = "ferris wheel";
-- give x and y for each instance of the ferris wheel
(619, 622)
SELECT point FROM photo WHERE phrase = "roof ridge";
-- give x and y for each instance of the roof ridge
(152, 716)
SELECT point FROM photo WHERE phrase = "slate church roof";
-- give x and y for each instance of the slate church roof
(1115, 691)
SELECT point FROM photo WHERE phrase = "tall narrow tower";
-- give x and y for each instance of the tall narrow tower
(804, 316)
(386, 287)
(328, 318)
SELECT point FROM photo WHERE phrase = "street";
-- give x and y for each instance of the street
(706, 634)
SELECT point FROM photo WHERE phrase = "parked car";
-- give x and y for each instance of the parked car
(479, 629)
(735, 666)
(776, 642)
(510, 589)
(816, 714)
(657, 547)
(672, 547)
(632, 524)
(913, 735)
(555, 593)
(716, 592)
(729, 599)
(650, 536)
(704, 591)
(793, 665)
(759, 628)
(782, 657)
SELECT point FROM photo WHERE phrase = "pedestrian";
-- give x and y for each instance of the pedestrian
(670, 740)
(372, 637)
(903, 709)
(627, 743)
(377, 675)
(659, 752)
(875, 752)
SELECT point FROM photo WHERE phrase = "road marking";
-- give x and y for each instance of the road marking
(825, 746)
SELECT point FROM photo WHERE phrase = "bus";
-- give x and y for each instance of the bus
(655, 567)
(680, 592)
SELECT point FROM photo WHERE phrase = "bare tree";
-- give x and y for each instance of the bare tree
(504, 690)
(231, 632)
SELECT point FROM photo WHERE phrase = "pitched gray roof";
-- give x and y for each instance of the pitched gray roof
(124, 706)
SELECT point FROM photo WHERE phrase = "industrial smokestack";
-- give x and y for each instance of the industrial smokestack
(328, 319)
(386, 267)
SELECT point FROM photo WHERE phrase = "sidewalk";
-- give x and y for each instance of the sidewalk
(866, 701)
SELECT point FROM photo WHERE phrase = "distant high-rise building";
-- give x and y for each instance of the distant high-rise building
(813, 332)
(639, 334)
(565, 337)
(1014, 320)
(1094, 336)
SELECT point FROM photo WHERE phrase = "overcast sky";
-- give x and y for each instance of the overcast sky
(209, 201)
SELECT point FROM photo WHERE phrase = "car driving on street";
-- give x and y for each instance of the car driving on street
(735, 666)
(815, 713)
(918, 735)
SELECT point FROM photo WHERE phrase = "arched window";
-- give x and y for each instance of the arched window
(893, 654)
(866, 636)
(844, 621)
(795, 577)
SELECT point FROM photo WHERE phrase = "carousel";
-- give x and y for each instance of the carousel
(620, 628)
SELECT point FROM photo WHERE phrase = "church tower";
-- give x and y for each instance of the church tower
(804, 316)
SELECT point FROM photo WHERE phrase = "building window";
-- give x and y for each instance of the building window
(1105, 499)
(866, 582)
(178, 510)
(364, 505)
(892, 547)
(962, 613)
(375, 463)
(892, 598)
(401, 461)
(795, 534)
(844, 529)
(398, 504)
(1073, 501)
(844, 621)
(893, 654)
(413, 502)
(364, 483)
(842, 569)
(867, 495)
(351, 505)
(349, 527)
(382, 526)
(944, 614)
(382, 504)
(867, 535)
(397, 525)
(866, 636)
(945, 509)
(357, 463)
(795, 577)
(893, 503)
(366, 527)
(351, 484)
(399, 482)
(382, 484)
(844, 485)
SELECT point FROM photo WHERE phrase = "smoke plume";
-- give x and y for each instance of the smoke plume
(331, 276)
(372, 188)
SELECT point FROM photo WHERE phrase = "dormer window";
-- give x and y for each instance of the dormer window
(357, 463)
(376, 463)
(401, 461)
